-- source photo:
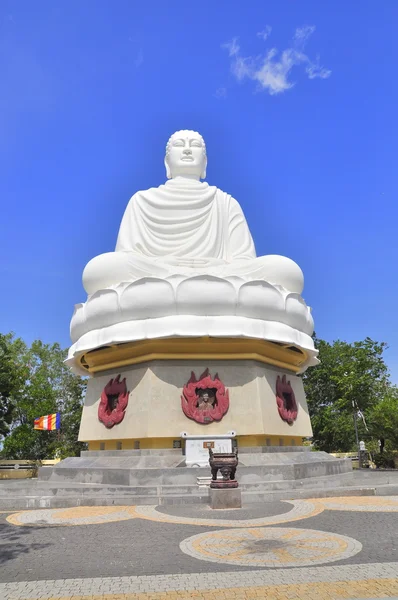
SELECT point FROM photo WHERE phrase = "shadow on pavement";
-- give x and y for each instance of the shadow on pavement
(17, 540)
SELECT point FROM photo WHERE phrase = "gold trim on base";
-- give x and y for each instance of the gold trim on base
(285, 356)
(244, 441)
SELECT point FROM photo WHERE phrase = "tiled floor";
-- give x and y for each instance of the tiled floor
(322, 548)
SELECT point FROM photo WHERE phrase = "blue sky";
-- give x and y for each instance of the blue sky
(297, 102)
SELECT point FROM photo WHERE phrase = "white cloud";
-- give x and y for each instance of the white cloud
(314, 70)
(302, 34)
(232, 47)
(242, 67)
(272, 70)
(265, 33)
(273, 73)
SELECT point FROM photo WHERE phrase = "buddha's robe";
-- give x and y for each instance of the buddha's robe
(186, 227)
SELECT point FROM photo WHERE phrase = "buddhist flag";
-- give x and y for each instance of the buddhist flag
(48, 423)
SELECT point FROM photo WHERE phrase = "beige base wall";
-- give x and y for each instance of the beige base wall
(154, 409)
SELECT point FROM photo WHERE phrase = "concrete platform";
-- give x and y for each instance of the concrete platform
(159, 477)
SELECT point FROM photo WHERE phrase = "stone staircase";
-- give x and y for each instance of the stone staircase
(129, 477)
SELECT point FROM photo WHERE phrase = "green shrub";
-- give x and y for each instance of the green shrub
(384, 460)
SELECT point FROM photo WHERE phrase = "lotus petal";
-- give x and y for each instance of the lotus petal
(296, 312)
(78, 324)
(206, 295)
(147, 298)
(260, 300)
(102, 309)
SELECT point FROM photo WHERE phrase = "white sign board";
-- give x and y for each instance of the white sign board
(197, 450)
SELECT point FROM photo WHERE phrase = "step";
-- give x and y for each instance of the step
(389, 489)
(322, 482)
(376, 476)
(122, 476)
(13, 503)
(253, 497)
(101, 491)
(147, 461)
(128, 475)
(36, 502)
(85, 489)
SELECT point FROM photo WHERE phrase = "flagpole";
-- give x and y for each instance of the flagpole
(356, 433)
(59, 436)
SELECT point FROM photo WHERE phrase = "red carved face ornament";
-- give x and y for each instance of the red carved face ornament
(206, 399)
(286, 400)
(113, 403)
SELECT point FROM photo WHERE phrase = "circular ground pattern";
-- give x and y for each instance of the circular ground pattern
(95, 515)
(270, 547)
(80, 515)
(300, 510)
(258, 510)
(202, 516)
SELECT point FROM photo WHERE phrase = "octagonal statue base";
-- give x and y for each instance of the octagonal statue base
(153, 417)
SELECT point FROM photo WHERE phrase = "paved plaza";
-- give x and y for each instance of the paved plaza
(322, 548)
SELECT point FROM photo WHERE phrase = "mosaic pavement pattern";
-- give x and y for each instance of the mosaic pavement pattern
(317, 583)
(270, 547)
(80, 515)
(301, 509)
(266, 550)
(88, 515)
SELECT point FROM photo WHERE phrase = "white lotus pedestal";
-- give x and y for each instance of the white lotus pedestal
(201, 354)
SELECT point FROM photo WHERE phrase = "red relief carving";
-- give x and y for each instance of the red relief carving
(206, 399)
(286, 400)
(113, 403)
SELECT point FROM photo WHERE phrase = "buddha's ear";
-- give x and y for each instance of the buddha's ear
(166, 164)
(203, 174)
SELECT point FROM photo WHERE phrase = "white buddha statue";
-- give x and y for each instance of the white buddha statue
(186, 227)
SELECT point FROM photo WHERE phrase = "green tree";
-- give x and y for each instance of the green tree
(71, 405)
(383, 419)
(25, 443)
(348, 373)
(6, 384)
(45, 385)
(11, 378)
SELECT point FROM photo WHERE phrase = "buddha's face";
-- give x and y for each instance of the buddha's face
(186, 155)
(207, 399)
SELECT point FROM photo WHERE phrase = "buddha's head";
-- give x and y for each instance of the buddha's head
(186, 155)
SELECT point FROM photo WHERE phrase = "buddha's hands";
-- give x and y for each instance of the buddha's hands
(192, 263)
